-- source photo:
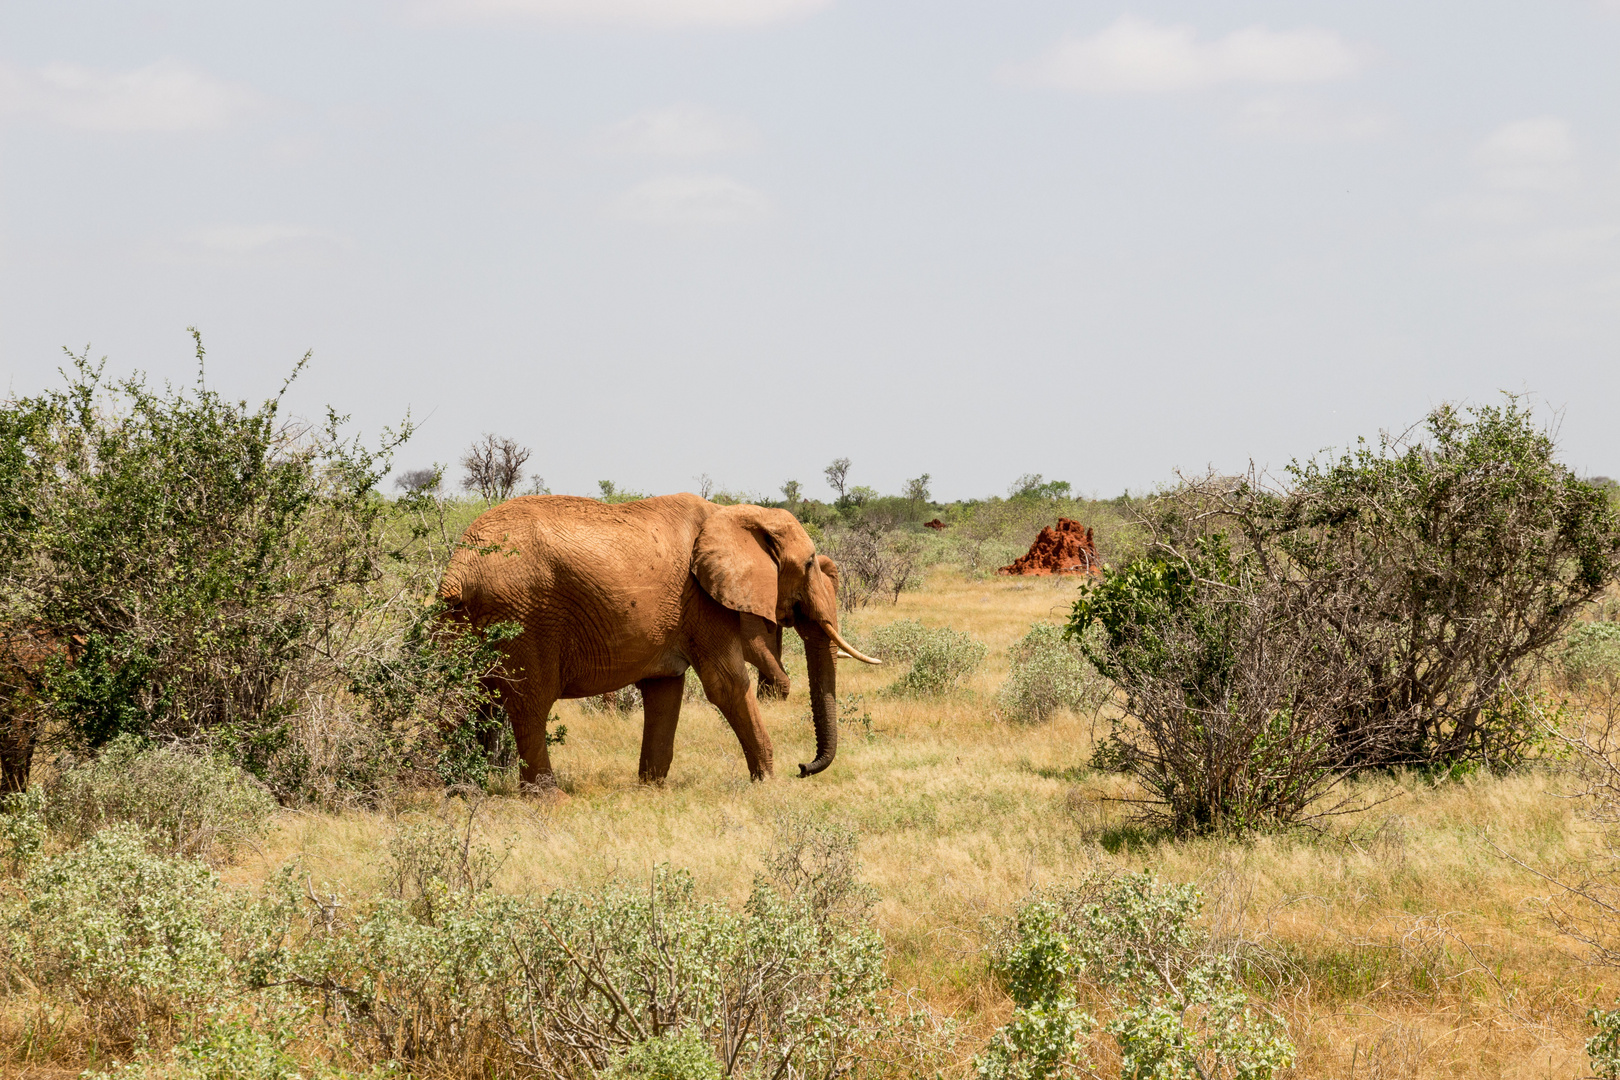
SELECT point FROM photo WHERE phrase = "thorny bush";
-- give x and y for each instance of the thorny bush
(227, 580)
(1129, 944)
(941, 659)
(1388, 608)
(1228, 721)
(1049, 672)
(185, 804)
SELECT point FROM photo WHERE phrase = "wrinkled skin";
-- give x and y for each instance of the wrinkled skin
(609, 595)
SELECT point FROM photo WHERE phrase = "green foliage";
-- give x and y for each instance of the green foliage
(227, 580)
(443, 970)
(183, 803)
(1036, 965)
(1387, 610)
(1590, 657)
(611, 493)
(1152, 608)
(198, 546)
(1225, 728)
(1178, 1008)
(427, 699)
(22, 830)
(1604, 1048)
(234, 1048)
(941, 659)
(1446, 565)
(1033, 486)
(1049, 672)
(130, 935)
(678, 1056)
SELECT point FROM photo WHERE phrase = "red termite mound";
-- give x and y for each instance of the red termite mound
(1066, 549)
(936, 524)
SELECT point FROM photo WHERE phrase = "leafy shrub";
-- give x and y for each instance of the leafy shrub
(1603, 1049)
(1049, 672)
(783, 985)
(426, 705)
(1178, 1008)
(681, 1056)
(1227, 725)
(185, 804)
(22, 830)
(448, 972)
(1591, 650)
(941, 659)
(229, 580)
(1445, 564)
(1590, 659)
(133, 937)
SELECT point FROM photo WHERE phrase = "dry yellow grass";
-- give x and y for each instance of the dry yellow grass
(1412, 946)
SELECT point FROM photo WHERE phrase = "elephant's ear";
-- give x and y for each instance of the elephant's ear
(739, 555)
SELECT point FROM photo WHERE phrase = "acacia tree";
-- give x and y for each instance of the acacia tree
(493, 467)
(837, 475)
(917, 494)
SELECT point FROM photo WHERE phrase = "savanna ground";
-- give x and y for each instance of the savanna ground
(1403, 939)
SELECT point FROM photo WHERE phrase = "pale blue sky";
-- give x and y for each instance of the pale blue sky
(659, 238)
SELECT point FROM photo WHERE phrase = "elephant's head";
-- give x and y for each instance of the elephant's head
(761, 561)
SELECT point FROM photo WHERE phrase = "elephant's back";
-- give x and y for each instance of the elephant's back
(538, 546)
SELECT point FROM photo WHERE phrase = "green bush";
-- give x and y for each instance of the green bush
(1178, 1007)
(1049, 672)
(1590, 657)
(1226, 728)
(681, 1056)
(229, 580)
(133, 937)
(185, 804)
(447, 971)
(1604, 1048)
(941, 659)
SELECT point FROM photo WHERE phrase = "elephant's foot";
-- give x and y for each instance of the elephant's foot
(772, 689)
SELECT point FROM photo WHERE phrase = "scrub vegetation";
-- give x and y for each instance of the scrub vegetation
(1320, 777)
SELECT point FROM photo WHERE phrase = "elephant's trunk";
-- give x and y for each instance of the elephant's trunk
(821, 660)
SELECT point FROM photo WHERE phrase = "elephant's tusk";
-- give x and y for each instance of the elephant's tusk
(854, 653)
(842, 655)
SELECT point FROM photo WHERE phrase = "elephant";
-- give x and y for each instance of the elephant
(607, 595)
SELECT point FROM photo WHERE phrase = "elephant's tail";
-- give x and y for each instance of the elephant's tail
(450, 590)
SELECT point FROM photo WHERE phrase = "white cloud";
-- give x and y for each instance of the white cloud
(165, 96)
(677, 131)
(632, 13)
(1137, 56)
(1530, 155)
(1301, 118)
(704, 199)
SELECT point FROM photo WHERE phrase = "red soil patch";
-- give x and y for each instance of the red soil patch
(935, 524)
(1066, 549)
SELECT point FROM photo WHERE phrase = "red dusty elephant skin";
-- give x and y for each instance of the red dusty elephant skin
(637, 592)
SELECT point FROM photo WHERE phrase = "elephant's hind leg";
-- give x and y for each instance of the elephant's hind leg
(661, 703)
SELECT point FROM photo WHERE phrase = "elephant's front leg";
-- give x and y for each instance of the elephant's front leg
(762, 647)
(661, 705)
(728, 686)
